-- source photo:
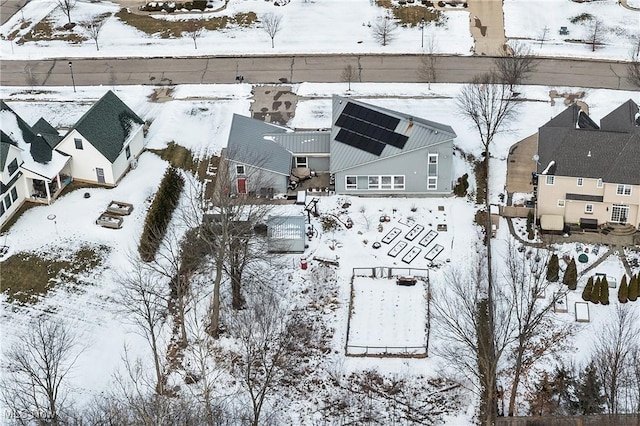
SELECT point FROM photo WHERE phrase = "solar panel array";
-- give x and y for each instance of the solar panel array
(368, 130)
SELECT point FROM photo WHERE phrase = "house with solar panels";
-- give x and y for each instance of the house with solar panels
(369, 150)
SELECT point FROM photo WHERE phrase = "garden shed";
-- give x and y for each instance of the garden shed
(286, 234)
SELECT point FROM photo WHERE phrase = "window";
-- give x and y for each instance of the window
(385, 182)
(398, 182)
(13, 166)
(599, 184)
(432, 183)
(623, 190)
(7, 201)
(580, 181)
(78, 143)
(14, 194)
(240, 169)
(560, 203)
(352, 182)
(432, 166)
(1, 209)
(588, 208)
(302, 162)
(551, 180)
(127, 152)
(374, 181)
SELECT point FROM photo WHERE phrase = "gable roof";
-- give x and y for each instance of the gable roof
(47, 131)
(16, 131)
(249, 143)
(622, 119)
(600, 154)
(306, 142)
(420, 133)
(107, 125)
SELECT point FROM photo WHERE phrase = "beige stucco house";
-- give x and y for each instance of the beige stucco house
(589, 173)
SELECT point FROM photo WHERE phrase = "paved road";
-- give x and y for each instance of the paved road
(274, 69)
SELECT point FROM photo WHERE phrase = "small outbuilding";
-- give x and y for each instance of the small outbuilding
(286, 234)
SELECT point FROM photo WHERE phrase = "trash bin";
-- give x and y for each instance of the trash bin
(303, 262)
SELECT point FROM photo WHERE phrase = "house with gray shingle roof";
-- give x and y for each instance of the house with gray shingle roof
(105, 142)
(30, 168)
(586, 171)
(369, 150)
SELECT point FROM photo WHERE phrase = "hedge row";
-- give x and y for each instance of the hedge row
(159, 214)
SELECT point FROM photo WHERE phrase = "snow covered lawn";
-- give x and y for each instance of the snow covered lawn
(387, 318)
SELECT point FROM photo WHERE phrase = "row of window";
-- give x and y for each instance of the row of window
(621, 189)
(588, 208)
(376, 182)
(9, 199)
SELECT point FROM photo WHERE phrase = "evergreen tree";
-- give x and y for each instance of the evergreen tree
(623, 290)
(595, 292)
(604, 291)
(570, 277)
(563, 384)
(586, 293)
(633, 288)
(541, 400)
(589, 391)
(553, 269)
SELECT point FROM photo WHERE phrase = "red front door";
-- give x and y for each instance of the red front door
(242, 185)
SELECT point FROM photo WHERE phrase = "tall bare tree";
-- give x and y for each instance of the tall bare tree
(595, 33)
(429, 61)
(613, 351)
(93, 28)
(67, 6)
(633, 68)
(535, 334)
(143, 299)
(515, 64)
(272, 24)
(384, 29)
(39, 363)
(471, 344)
(349, 74)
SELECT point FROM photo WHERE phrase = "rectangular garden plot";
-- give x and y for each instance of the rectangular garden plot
(391, 235)
(582, 312)
(107, 220)
(119, 208)
(431, 235)
(400, 245)
(434, 252)
(415, 231)
(411, 254)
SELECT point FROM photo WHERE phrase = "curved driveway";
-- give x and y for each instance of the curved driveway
(293, 69)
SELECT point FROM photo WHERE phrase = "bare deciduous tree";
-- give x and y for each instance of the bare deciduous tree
(272, 24)
(633, 68)
(67, 6)
(535, 334)
(38, 364)
(515, 64)
(194, 31)
(429, 61)
(266, 332)
(383, 30)
(471, 343)
(348, 75)
(613, 353)
(93, 28)
(142, 298)
(595, 33)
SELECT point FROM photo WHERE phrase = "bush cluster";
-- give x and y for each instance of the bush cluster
(460, 189)
(629, 292)
(596, 292)
(159, 214)
(553, 269)
(170, 6)
(570, 277)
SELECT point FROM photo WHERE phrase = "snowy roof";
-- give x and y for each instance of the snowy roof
(286, 227)
(108, 125)
(421, 133)
(248, 145)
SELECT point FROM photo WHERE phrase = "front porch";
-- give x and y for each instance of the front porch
(45, 191)
(317, 183)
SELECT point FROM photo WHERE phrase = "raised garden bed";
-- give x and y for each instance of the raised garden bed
(119, 208)
(108, 220)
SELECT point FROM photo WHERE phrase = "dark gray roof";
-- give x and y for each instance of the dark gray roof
(622, 119)
(39, 149)
(584, 197)
(304, 142)
(47, 131)
(421, 134)
(107, 125)
(5, 141)
(248, 144)
(601, 154)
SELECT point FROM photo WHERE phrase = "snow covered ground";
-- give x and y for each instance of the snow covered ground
(305, 31)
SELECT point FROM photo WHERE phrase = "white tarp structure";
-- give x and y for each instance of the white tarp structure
(551, 222)
(286, 234)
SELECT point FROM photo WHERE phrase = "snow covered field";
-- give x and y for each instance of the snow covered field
(304, 31)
